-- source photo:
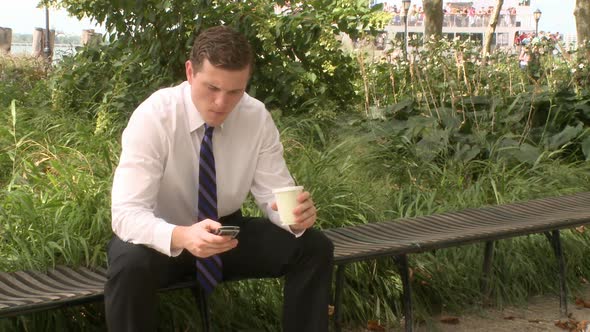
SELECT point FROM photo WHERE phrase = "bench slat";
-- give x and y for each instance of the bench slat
(27, 281)
(71, 280)
(54, 284)
(95, 276)
(8, 292)
(9, 304)
(78, 278)
(32, 289)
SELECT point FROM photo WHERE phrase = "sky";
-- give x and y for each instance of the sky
(557, 15)
(23, 17)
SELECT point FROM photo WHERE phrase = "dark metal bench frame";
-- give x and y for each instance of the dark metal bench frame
(24, 292)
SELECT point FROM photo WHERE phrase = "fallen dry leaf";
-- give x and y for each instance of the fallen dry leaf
(449, 320)
(330, 310)
(581, 229)
(374, 325)
(583, 326)
(582, 303)
(572, 325)
(562, 325)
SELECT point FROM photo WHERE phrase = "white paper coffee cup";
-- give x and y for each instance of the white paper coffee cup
(286, 198)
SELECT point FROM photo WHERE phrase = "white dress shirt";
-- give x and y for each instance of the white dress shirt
(156, 183)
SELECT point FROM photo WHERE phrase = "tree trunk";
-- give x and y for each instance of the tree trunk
(487, 46)
(5, 40)
(433, 18)
(582, 14)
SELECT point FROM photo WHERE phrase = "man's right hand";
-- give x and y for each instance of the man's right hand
(199, 240)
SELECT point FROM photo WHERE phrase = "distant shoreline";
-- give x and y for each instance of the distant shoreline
(56, 45)
(59, 50)
(27, 38)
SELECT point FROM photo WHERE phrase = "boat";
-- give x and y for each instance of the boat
(465, 20)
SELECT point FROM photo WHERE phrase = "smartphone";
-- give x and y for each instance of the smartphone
(227, 231)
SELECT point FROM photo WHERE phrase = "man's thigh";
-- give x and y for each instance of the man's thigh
(142, 263)
(266, 250)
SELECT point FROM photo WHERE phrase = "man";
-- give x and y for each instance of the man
(208, 132)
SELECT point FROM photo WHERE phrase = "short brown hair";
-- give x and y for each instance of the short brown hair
(224, 47)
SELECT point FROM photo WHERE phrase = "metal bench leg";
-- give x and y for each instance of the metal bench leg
(402, 264)
(338, 298)
(555, 241)
(201, 299)
(487, 270)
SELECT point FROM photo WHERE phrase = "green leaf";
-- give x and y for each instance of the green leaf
(584, 108)
(13, 114)
(586, 148)
(449, 118)
(404, 107)
(433, 142)
(568, 134)
(528, 154)
(466, 152)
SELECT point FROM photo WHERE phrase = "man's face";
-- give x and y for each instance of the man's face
(216, 91)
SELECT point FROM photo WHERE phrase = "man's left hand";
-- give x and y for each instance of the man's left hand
(305, 212)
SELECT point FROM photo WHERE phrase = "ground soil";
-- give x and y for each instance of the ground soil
(540, 314)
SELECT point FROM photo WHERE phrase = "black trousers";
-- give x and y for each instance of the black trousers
(135, 272)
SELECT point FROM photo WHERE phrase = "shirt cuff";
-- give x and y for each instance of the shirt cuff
(298, 233)
(274, 217)
(163, 239)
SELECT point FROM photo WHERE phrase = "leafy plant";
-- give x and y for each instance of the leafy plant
(300, 66)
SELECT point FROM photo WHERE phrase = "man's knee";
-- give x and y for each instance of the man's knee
(319, 246)
(130, 260)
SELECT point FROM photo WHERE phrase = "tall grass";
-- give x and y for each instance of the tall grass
(55, 202)
(54, 199)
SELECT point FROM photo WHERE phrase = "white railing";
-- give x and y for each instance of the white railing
(468, 21)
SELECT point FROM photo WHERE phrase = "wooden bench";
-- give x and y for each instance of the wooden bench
(24, 292)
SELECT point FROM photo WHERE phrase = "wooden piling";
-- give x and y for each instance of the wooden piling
(90, 37)
(5, 40)
(39, 42)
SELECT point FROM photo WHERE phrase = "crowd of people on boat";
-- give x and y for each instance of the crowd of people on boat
(454, 16)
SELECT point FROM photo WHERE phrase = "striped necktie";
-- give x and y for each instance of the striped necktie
(208, 269)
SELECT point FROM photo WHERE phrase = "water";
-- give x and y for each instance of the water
(59, 50)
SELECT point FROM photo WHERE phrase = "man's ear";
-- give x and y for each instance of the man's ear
(188, 66)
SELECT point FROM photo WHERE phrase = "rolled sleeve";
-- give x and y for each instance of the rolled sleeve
(271, 172)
